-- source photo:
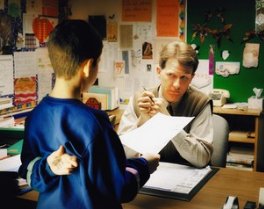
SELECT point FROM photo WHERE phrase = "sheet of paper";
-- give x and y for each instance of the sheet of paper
(6, 75)
(176, 178)
(10, 163)
(25, 64)
(154, 134)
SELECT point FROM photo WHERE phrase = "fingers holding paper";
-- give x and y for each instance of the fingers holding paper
(153, 161)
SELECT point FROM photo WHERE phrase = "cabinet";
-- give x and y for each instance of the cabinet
(246, 127)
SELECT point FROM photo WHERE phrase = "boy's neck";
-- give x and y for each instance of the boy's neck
(65, 89)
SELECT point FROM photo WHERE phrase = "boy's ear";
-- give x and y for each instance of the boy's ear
(158, 70)
(87, 67)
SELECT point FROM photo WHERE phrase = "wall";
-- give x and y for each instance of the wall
(127, 83)
(241, 14)
(142, 71)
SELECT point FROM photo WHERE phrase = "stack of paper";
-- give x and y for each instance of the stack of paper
(7, 121)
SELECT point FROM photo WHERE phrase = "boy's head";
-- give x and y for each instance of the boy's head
(70, 43)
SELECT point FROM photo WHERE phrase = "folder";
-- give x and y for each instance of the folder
(16, 148)
(176, 181)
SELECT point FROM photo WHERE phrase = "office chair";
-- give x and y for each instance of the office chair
(220, 141)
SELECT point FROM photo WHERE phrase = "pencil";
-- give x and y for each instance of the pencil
(149, 96)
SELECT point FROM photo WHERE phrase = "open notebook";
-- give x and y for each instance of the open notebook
(177, 181)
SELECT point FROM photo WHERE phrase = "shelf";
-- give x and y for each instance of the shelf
(252, 112)
(242, 136)
(246, 128)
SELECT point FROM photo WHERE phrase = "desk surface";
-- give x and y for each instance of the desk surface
(243, 184)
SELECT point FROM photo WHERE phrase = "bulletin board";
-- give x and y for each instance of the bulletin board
(26, 74)
(133, 36)
(241, 15)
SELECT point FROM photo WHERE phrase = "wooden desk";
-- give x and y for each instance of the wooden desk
(243, 184)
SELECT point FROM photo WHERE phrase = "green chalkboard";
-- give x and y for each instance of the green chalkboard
(241, 14)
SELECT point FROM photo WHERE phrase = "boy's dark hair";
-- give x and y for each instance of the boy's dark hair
(70, 43)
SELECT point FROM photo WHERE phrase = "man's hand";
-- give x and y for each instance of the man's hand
(145, 102)
(61, 163)
(149, 105)
(159, 106)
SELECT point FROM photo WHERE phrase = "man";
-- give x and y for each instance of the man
(174, 96)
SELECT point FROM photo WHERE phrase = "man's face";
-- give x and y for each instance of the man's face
(175, 80)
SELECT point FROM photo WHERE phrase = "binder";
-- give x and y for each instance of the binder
(184, 181)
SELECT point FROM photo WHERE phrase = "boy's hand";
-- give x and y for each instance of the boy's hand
(153, 161)
(61, 163)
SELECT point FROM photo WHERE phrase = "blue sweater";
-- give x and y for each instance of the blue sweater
(104, 178)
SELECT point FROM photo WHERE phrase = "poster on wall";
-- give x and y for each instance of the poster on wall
(136, 10)
(259, 16)
(170, 18)
(6, 75)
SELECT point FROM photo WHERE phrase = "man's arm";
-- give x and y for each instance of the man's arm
(128, 120)
(196, 146)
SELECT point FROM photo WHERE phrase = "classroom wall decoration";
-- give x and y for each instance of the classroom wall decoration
(259, 27)
(26, 73)
(131, 39)
(234, 42)
(214, 24)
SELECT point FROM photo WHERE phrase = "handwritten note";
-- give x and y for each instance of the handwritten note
(136, 10)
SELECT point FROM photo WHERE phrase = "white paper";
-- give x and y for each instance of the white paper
(44, 70)
(202, 79)
(10, 163)
(154, 134)
(176, 178)
(6, 75)
(25, 64)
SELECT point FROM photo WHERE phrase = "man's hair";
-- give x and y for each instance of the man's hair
(70, 43)
(180, 51)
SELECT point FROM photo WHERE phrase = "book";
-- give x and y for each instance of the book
(15, 149)
(95, 100)
(177, 181)
(112, 95)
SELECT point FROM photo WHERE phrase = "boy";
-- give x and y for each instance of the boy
(102, 178)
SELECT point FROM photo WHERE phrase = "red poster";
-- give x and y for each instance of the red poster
(136, 10)
(168, 18)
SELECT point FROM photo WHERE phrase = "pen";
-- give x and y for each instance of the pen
(148, 96)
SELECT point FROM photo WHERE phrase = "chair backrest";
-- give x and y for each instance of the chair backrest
(220, 141)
